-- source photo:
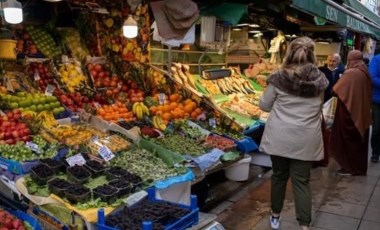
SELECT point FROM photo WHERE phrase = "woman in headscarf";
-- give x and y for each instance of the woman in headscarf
(292, 134)
(350, 131)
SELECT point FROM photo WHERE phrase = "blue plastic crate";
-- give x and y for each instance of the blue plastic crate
(25, 217)
(246, 145)
(185, 222)
(17, 167)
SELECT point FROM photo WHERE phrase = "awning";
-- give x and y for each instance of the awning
(363, 10)
(338, 14)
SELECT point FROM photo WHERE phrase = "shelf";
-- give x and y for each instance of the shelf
(185, 51)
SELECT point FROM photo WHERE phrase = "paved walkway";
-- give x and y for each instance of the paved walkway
(339, 203)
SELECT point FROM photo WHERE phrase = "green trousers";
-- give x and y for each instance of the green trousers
(299, 172)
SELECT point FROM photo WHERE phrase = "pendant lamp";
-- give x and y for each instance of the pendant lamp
(130, 28)
(12, 11)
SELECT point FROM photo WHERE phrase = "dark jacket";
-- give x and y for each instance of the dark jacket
(333, 77)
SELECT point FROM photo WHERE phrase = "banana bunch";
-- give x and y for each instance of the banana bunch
(140, 110)
(47, 119)
(29, 113)
(158, 123)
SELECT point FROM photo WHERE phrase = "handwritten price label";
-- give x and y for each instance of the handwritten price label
(212, 122)
(161, 98)
(37, 76)
(77, 159)
(106, 153)
(33, 146)
(49, 90)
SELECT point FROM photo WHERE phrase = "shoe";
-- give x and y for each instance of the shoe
(342, 172)
(375, 159)
(274, 222)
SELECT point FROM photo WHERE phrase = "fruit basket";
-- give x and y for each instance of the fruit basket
(78, 194)
(78, 174)
(124, 186)
(96, 168)
(58, 186)
(41, 173)
(166, 215)
(106, 193)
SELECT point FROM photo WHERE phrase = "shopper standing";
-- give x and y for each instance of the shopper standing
(292, 134)
(374, 70)
(350, 131)
(333, 69)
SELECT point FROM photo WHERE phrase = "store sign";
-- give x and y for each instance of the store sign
(336, 15)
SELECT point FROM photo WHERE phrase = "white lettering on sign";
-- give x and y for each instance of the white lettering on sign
(331, 13)
(355, 24)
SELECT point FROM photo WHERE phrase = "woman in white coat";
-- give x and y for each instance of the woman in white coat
(292, 134)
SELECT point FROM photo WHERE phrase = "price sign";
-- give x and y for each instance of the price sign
(36, 76)
(32, 146)
(161, 98)
(135, 198)
(212, 122)
(2, 113)
(77, 159)
(106, 153)
(97, 105)
(49, 90)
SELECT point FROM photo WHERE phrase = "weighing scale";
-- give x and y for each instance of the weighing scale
(214, 226)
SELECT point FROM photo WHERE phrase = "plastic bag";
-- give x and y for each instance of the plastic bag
(329, 108)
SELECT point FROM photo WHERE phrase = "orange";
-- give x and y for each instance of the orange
(174, 97)
(166, 116)
(153, 109)
(101, 112)
(188, 101)
(188, 108)
(166, 108)
(198, 111)
(173, 105)
(194, 115)
(193, 105)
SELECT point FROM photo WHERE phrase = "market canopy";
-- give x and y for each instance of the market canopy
(338, 14)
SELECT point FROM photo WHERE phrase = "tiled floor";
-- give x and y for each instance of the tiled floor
(339, 203)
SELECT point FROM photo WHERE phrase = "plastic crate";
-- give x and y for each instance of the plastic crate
(17, 167)
(185, 222)
(25, 217)
(246, 145)
(46, 225)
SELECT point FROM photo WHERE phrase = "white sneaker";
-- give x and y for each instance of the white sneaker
(275, 222)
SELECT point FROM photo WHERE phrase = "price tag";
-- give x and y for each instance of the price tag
(36, 76)
(9, 85)
(161, 98)
(2, 113)
(94, 138)
(49, 90)
(106, 153)
(212, 122)
(33, 146)
(119, 85)
(65, 59)
(97, 105)
(77, 159)
(135, 197)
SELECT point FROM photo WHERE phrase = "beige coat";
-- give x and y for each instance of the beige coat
(293, 129)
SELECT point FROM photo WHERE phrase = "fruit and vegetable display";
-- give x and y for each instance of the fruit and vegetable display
(11, 222)
(12, 129)
(44, 41)
(144, 164)
(34, 102)
(72, 76)
(181, 144)
(73, 40)
(115, 143)
(160, 213)
(40, 74)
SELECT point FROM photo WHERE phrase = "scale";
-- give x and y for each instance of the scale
(214, 226)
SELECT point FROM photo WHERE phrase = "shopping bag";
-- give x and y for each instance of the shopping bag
(328, 110)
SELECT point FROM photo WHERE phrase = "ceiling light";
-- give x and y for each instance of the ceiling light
(53, 0)
(254, 25)
(242, 24)
(130, 28)
(12, 11)
(294, 36)
(288, 35)
(254, 31)
(236, 29)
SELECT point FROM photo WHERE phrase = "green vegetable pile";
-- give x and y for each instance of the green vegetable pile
(145, 164)
(180, 144)
(17, 152)
(190, 131)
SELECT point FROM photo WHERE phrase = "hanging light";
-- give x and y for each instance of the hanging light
(130, 28)
(12, 11)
